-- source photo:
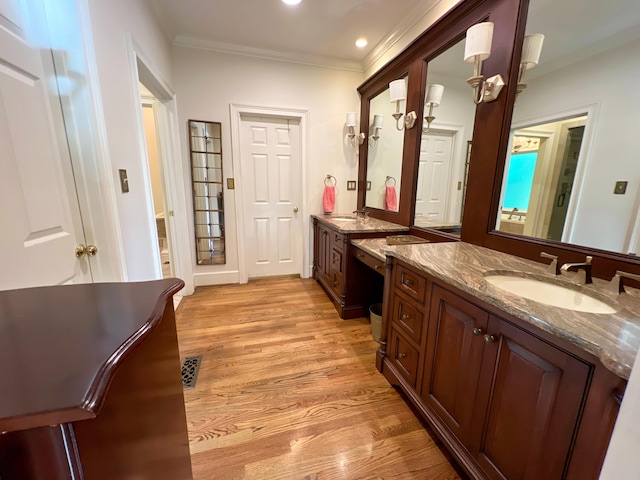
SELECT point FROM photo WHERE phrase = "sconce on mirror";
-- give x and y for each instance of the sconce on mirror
(354, 139)
(378, 121)
(478, 49)
(531, 50)
(434, 97)
(397, 94)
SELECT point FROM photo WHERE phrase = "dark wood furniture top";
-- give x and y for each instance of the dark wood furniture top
(61, 346)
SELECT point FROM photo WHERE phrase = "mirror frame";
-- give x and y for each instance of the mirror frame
(490, 137)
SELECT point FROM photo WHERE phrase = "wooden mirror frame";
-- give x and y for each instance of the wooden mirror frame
(490, 136)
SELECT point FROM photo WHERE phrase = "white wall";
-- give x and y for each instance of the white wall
(603, 220)
(110, 23)
(207, 82)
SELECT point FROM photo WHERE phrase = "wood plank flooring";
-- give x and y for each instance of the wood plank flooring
(288, 390)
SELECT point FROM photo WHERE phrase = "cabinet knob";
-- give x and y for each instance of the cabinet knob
(376, 267)
(360, 255)
(477, 331)
(404, 316)
(407, 282)
(402, 355)
(489, 338)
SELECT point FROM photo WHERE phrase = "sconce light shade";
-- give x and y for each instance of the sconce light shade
(378, 120)
(351, 119)
(434, 94)
(478, 42)
(397, 90)
(531, 49)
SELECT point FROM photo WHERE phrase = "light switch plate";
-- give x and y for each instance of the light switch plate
(351, 184)
(231, 184)
(368, 185)
(620, 188)
(124, 181)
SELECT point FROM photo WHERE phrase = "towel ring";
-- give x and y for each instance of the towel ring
(328, 179)
(386, 182)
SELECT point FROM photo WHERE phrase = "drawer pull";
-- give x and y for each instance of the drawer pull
(404, 316)
(376, 267)
(407, 282)
(360, 255)
(402, 355)
(489, 338)
(477, 331)
(617, 396)
(335, 284)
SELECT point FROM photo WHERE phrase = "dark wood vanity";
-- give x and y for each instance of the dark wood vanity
(91, 383)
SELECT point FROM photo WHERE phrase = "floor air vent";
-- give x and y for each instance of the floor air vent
(190, 367)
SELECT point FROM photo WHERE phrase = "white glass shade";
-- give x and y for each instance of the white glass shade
(378, 120)
(434, 94)
(531, 49)
(478, 41)
(351, 119)
(397, 90)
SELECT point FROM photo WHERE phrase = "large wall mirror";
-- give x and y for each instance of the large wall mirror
(384, 156)
(444, 143)
(572, 171)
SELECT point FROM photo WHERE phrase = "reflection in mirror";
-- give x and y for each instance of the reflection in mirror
(384, 159)
(447, 128)
(578, 116)
(205, 139)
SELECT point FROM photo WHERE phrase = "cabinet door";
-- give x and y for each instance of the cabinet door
(454, 351)
(529, 398)
(324, 250)
(404, 357)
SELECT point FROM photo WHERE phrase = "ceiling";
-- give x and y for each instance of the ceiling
(318, 28)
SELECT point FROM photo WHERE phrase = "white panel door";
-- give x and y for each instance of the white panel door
(434, 175)
(271, 184)
(40, 217)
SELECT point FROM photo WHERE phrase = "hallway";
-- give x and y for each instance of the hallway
(287, 390)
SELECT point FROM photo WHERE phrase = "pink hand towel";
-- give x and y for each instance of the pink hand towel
(329, 198)
(391, 199)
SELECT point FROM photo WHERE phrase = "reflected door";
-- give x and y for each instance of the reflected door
(271, 169)
(434, 176)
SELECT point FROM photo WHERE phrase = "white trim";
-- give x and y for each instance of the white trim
(236, 110)
(202, 279)
(142, 70)
(591, 111)
(279, 56)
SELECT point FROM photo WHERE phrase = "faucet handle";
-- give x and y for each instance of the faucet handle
(617, 284)
(553, 268)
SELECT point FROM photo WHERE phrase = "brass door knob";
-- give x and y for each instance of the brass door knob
(295, 209)
(89, 250)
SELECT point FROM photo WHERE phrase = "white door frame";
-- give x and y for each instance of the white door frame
(141, 69)
(236, 110)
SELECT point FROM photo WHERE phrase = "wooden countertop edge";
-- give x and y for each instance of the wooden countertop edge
(99, 387)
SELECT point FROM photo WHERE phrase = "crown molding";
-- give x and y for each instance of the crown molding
(422, 15)
(279, 56)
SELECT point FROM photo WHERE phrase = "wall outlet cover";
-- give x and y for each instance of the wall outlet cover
(124, 181)
(620, 188)
(351, 184)
(231, 184)
(368, 185)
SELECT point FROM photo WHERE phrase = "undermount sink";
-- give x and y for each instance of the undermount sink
(549, 293)
(342, 219)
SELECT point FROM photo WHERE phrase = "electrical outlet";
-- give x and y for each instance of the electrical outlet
(351, 184)
(620, 188)
(231, 184)
(368, 185)
(124, 181)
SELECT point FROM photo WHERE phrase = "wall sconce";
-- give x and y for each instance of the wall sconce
(531, 49)
(354, 139)
(378, 120)
(477, 49)
(434, 97)
(398, 93)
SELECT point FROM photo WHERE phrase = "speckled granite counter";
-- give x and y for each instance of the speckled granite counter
(351, 224)
(613, 338)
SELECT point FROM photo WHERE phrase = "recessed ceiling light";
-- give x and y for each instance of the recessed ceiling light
(291, 2)
(361, 42)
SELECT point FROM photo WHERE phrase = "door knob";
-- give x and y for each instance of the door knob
(89, 250)
(295, 209)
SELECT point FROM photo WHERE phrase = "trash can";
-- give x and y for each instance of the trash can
(375, 313)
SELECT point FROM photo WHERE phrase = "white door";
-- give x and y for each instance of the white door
(40, 217)
(434, 175)
(270, 151)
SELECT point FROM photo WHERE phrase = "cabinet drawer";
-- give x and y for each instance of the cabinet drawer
(336, 261)
(337, 239)
(404, 357)
(410, 283)
(369, 260)
(408, 318)
(336, 282)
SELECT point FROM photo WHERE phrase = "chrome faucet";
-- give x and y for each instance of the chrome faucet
(584, 266)
(361, 213)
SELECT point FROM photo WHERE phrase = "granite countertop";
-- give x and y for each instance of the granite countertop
(375, 247)
(613, 338)
(350, 224)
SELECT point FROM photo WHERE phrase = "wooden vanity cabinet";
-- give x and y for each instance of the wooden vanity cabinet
(508, 402)
(349, 283)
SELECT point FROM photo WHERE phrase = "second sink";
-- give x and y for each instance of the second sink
(548, 293)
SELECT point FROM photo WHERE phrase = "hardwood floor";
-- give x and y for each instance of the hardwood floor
(288, 390)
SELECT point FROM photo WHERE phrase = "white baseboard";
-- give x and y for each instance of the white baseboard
(216, 278)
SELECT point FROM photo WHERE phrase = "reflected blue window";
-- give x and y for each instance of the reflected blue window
(519, 181)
